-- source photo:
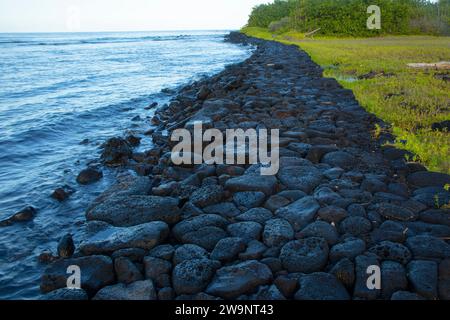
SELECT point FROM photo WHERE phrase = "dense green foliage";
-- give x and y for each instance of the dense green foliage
(349, 17)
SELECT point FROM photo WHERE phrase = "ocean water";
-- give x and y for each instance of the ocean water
(57, 90)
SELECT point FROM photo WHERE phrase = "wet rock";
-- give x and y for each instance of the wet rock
(299, 213)
(277, 232)
(243, 278)
(254, 251)
(321, 286)
(259, 215)
(144, 236)
(332, 214)
(387, 250)
(24, 215)
(89, 176)
(133, 141)
(228, 249)
(189, 252)
(304, 178)
(249, 199)
(320, 229)
(65, 294)
(61, 194)
(137, 291)
(355, 226)
(265, 184)
(207, 195)
(394, 212)
(203, 93)
(192, 276)
(350, 249)
(306, 255)
(116, 210)
(423, 277)
(97, 272)
(344, 271)
(428, 247)
(428, 179)
(66, 247)
(406, 296)
(126, 271)
(393, 276)
(339, 159)
(116, 151)
(361, 291)
(247, 230)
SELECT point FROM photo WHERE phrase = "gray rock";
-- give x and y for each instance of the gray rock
(428, 247)
(332, 214)
(265, 184)
(247, 230)
(65, 294)
(393, 276)
(193, 224)
(144, 236)
(326, 196)
(126, 211)
(423, 277)
(207, 195)
(96, 273)
(389, 231)
(355, 226)
(228, 249)
(164, 251)
(320, 229)
(394, 212)
(206, 237)
(387, 250)
(350, 249)
(243, 278)
(428, 179)
(192, 276)
(189, 252)
(137, 291)
(254, 251)
(344, 271)
(276, 202)
(299, 213)
(306, 255)
(277, 232)
(267, 293)
(304, 178)
(249, 199)
(259, 215)
(321, 286)
(224, 209)
(156, 269)
(406, 296)
(133, 254)
(339, 159)
(361, 291)
(126, 271)
(89, 176)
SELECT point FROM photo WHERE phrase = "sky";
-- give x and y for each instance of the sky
(123, 15)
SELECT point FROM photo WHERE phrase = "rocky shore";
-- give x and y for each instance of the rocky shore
(340, 203)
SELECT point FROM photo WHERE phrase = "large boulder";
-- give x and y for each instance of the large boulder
(126, 211)
(304, 178)
(299, 213)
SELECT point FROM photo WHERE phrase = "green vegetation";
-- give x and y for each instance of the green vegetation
(349, 17)
(376, 70)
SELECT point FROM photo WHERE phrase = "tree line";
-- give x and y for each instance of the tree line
(349, 17)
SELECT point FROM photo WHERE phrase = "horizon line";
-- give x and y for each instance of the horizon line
(118, 31)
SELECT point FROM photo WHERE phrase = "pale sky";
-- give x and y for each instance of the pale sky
(122, 15)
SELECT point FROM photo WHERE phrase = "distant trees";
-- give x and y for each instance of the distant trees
(348, 17)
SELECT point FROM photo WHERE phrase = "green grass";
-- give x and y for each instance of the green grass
(409, 100)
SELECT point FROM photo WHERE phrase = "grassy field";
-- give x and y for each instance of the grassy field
(376, 70)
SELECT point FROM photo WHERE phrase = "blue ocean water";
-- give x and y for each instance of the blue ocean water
(57, 90)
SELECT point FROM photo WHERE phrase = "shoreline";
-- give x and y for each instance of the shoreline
(339, 197)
